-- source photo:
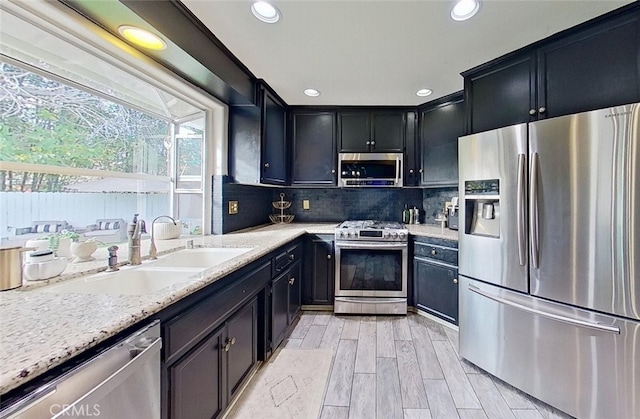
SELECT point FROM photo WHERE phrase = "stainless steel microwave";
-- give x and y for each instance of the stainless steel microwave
(369, 170)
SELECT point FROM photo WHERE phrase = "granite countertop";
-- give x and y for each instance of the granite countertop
(432, 230)
(41, 330)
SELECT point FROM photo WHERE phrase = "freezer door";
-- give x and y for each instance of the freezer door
(585, 210)
(583, 363)
(492, 218)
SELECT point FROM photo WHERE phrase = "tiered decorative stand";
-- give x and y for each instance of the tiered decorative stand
(282, 217)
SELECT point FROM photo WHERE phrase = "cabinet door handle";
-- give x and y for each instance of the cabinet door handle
(368, 142)
(266, 165)
(542, 109)
(292, 281)
(226, 346)
(292, 256)
(455, 280)
(233, 340)
(420, 170)
(433, 252)
(333, 171)
(373, 143)
(411, 171)
(532, 112)
(328, 256)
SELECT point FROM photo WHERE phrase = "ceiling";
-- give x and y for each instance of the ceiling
(380, 52)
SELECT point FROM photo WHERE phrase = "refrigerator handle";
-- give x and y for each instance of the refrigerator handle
(533, 210)
(522, 246)
(573, 321)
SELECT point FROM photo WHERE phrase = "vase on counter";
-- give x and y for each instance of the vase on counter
(82, 251)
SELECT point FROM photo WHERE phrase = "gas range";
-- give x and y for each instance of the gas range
(370, 230)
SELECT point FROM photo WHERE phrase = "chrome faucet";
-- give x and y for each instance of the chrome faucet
(134, 232)
(153, 252)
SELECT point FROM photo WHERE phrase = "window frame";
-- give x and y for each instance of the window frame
(64, 23)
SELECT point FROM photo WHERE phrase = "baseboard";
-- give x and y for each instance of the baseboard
(434, 318)
(312, 307)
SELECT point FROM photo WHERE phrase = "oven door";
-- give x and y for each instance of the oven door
(371, 269)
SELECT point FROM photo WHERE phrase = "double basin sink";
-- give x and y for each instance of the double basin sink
(149, 277)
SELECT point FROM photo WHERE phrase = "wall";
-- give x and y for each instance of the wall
(254, 205)
(326, 204)
(339, 204)
(433, 201)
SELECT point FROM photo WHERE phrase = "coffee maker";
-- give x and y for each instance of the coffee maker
(452, 214)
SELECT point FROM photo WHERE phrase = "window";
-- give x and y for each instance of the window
(85, 137)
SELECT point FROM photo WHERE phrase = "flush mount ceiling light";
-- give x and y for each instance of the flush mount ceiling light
(465, 9)
(312, 92)
(142, 38)
(265, 11)
(424, 92)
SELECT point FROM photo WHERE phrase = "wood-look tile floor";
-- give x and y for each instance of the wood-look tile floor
(406, 367)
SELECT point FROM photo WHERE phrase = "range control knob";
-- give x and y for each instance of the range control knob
(394, 234)
(401, 235)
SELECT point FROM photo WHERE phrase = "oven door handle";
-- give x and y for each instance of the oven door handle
(372, 246)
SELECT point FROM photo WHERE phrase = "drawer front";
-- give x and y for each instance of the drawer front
(438, 253)
(285, 259)
(184, 331)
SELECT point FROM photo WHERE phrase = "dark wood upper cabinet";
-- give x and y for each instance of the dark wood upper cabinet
(362, 131)
(411, 167)
(314, 148)
(593, 69)
(592, 66)
(388, 131)
(441, 123)
(274, 147)
(502, 95)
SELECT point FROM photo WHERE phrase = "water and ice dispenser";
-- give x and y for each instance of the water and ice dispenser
(482, 207)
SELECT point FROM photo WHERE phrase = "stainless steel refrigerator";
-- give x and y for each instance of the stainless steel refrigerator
(549, 259)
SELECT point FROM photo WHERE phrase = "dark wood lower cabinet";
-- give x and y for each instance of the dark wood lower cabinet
(204, 380)
(285, 302)
(242, 340)
(197, 386)
(279, 309)
(435, 277)
(436, 289)
(319, 271)
(295, 291)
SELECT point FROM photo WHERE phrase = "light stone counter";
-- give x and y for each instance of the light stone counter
(41, 330)
(432, 230)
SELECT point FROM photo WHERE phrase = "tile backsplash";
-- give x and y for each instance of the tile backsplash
(325, 204)
(433, 201)
(339, 204)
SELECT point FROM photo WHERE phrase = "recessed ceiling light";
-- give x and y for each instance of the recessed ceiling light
(312, 92)
(424, 92)
(465, 9)
(265, 11)
(142, 37)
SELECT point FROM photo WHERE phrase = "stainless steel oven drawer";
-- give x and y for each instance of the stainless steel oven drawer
(439, 253)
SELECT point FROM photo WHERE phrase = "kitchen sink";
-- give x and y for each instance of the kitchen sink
(150, 276)
(138, 281)
(199, 258)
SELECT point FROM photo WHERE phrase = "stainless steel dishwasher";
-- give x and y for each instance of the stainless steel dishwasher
(121, 382)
